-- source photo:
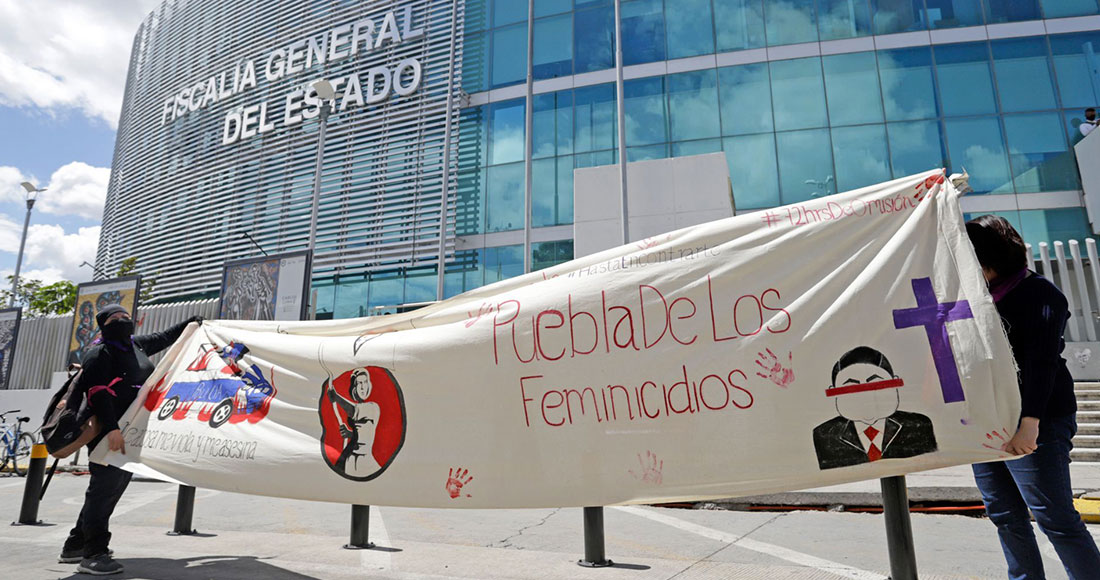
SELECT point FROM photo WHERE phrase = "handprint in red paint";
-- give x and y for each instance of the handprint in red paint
(652, 469)
(456, 480)
(999, 441)
(781, 375)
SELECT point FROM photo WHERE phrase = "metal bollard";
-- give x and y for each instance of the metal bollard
(32, 491)
(899, 529)
(594, 553)
(360, 528)
(185, 510)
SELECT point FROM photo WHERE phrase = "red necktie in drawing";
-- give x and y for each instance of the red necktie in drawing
(873, 453)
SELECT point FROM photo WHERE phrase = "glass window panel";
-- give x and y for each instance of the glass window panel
(553, 47)
(908, 89)
(477, 16)
(595, 159)
(852, 87)
(977, 146)
(509, 55)
(387, 289)
(739, 24)
(506, 139)
(464, 265)
(645, 111)
(473, 130)
(1078, 86)
(1040, 158)
(916, 147)
(690, 28)
(594, 39)
(547, 254)
(420, 285)
(745, 99)
(647, 152)
(1023, 74)
(753, 173)
(475, 63)
(504, 206)
(1051, 225)
(966, 84)
(594, 118)
(789, 22)
(552, 191)
(326, 300)
(552, 125)
(860, 156)
(1064, 8)
(693, 105)
(508, 12)
(1072, 123)
(502, 263)
(953, 13)
(1011, 10)
(470, 203)
(643, 31)
(805, 165)
(548, 7)
(892, 16)
(685, 148)
(351, 298)
(843, 18)
(798, 94)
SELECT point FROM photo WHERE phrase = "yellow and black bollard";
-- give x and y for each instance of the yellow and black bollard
(32, 491)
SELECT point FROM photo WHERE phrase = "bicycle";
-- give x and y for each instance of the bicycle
(15, 445)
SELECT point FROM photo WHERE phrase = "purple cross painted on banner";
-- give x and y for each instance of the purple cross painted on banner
(934, 317)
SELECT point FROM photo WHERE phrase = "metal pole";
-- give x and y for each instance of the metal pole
(594, 554)
(443, 205)
(621, 120)
(19, 260)
(185, 510)
(326, 108)
(360, 528)
(528, 204)
(32, 490)
(899, 530)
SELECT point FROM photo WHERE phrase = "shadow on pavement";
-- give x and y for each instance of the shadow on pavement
(203, 568)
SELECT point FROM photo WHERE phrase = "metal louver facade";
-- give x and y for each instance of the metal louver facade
(181, 198)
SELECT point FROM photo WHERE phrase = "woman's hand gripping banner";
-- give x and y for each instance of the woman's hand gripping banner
(844, 338)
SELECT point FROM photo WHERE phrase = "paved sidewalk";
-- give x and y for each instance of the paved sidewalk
(249, 537)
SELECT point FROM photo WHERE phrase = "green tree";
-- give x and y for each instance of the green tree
(128, 267)
(39, 299)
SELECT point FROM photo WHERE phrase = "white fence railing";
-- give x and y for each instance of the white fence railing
(1078, 276)
(42, 346)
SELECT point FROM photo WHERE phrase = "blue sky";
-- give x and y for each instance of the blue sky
(63, 69)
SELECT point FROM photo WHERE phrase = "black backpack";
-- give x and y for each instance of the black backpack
(68, 423)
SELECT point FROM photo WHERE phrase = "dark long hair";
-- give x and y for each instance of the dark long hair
(998, 245)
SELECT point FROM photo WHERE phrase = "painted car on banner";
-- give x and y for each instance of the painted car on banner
(226, 390)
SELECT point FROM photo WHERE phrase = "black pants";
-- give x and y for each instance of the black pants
(105, 487)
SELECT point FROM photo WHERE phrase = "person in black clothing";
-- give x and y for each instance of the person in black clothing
(1034, 313)
(114, 371)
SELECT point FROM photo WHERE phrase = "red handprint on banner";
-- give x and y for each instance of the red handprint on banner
(652, 469)
(999, 441)
(456, 479)
(781, 375)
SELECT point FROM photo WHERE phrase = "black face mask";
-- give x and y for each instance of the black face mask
(119, 331)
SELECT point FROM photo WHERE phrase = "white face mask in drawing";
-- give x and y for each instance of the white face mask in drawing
(866, 406)
(362, 387)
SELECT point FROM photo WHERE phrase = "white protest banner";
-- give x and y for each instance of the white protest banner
(843, 338)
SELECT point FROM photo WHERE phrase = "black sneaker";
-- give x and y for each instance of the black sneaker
(75, 556)
(101, 565)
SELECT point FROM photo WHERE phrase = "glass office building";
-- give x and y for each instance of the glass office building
(804, 97)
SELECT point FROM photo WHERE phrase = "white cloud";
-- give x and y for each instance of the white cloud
(51, 253)
(68, 54)
(75, 189)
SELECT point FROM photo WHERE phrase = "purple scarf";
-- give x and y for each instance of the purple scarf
(1002, 285)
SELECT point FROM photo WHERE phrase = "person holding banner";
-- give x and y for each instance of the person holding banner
(1034, 313)
(114, 371)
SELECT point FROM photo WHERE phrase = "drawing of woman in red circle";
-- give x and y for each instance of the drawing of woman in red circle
(362, 414)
